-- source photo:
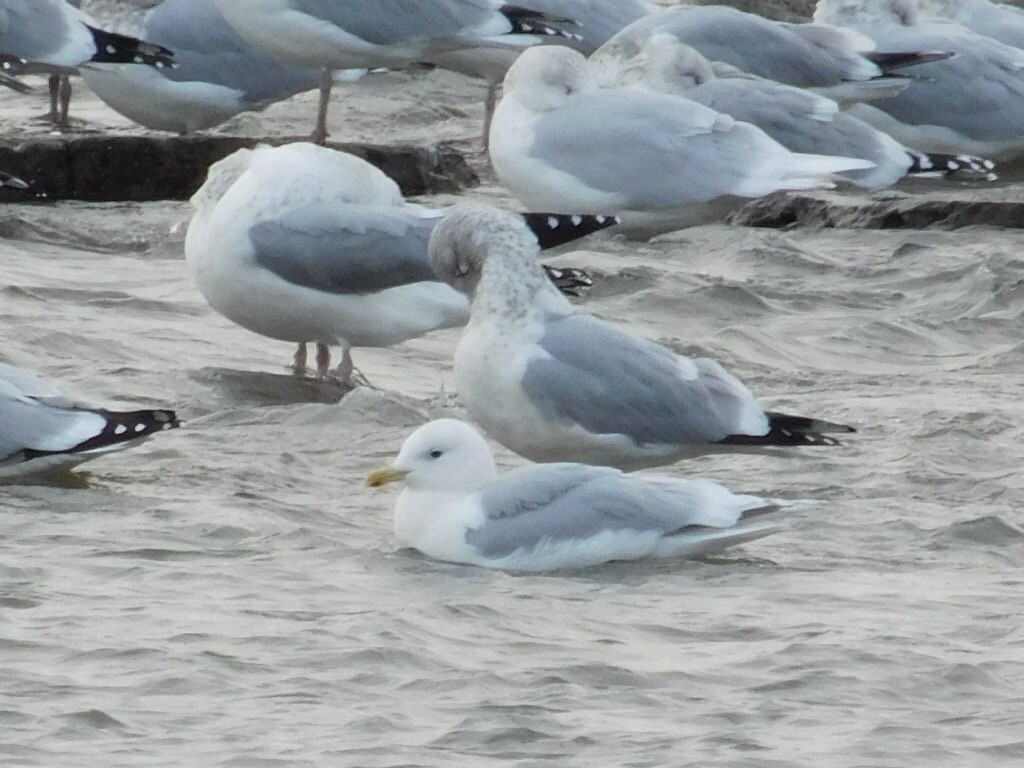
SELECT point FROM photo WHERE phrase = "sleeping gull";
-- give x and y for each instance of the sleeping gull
(798, 119)
(972, 103)
(596, 22)
(999, 21)
(839, 63)
(331, 35)
(559, 143)
(41, 429)
(306, 244)
(52, 37)
(456, 508)
(217, 76)
(552, 384)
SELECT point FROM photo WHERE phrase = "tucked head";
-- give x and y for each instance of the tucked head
(667, 65)
(466, 238)
(442, 456)
(545, 76)
(853, 13)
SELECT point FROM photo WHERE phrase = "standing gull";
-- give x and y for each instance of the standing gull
(52, 37)
(798, 119)
(456, 508)
(972, 103)
(662, 162)
(306, 244)
(332, 34)
(839, 63)
(217, 74)
(41, 429)
(552, 384)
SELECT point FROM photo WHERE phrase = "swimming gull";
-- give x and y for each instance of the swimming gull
(41, 429)
(552, 384)
(839, 63)
(456, 508)
(971, 103)
(331, 35)
(55, 38)
(798, 119)
(307, 244)
(560, 143)
(217, 76)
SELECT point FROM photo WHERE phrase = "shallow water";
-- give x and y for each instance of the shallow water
(229, 594)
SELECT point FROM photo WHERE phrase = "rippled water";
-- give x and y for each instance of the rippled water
(229, 594)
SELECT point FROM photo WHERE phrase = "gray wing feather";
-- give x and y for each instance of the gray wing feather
(207, 49)
(656, 151)
(801, 121)
(562, 502)
(32, 30)
(390, 22)
(29, 425)
(979, 92)
(359, 249)
(598, 21)
(612, 383)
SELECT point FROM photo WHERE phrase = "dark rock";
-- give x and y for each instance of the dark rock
(947, 209)
(143, 168)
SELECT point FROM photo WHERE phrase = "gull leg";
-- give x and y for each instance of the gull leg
(323, 360)
(344, 370)
(64, 97)
(489, 104)
(299, 360)
(54, 83)
(320, 132)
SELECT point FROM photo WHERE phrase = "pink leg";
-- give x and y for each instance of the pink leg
(323, 360)
(320, 132)
(299, 361)
(489, 104)
(64, 96)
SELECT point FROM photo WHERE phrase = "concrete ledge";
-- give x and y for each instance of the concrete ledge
(145, 168)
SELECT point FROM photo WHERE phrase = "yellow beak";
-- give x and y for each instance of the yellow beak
(381, 477)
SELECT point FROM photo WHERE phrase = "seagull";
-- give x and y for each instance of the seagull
(798, 119)
(559, 143)
(42, 430)
(457, 509)
(53, 37)
(972, 103)
(217, 76)
(999, 21)
(307, 244)
(331, 35)
(553, 384)
(12, 181)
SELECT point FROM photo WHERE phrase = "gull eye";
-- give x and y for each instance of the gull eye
(435, 454)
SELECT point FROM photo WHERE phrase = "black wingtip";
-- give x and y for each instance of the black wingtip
(7, 180)
(569, 280)
(124, 426)
(554, 229)
(894, 61)
(793, 431)
(112, 48)
(935, 165)
(526, 21)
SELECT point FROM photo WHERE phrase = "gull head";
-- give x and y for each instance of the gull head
(469, 235)
(443, 456)
(666, 65)
(544, 77)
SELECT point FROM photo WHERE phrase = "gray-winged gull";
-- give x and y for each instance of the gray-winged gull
(41, 429)
(552, 384)
(999, 21)
(303, 243)
(973, 102)
(456, 508)
(331, 35)
(796, 118)
(559, 143)
(53, 37)
(217, 75)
